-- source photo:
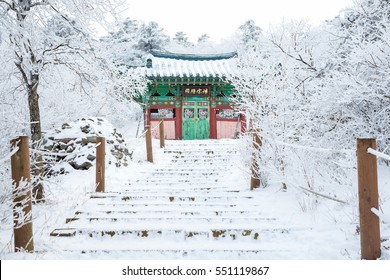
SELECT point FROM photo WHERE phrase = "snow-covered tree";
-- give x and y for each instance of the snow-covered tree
(280, 81)
(47, 34)
(120, 47)
(152, 37)
(249, 33)
(204, 38)
(182, 39)
(133, 40)
(360, 70)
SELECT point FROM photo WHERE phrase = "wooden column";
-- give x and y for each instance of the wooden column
(255, 178)
(368, 199)
(21, 192)
(149, 149)
(162, 136)
(100, 164)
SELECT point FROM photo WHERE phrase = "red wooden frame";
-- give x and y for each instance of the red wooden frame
(214, 119)
(177, 118)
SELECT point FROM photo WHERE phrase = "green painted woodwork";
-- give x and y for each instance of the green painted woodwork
(196, 119)
(169, 89)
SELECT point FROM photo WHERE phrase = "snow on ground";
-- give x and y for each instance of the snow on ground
(317, 228)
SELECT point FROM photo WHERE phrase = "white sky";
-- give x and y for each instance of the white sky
(221, 18)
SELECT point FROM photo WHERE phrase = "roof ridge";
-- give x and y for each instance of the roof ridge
(192, 56)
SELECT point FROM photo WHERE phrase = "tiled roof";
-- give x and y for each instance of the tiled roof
(190, 65)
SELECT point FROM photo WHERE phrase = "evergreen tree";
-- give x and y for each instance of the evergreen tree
(249, 33)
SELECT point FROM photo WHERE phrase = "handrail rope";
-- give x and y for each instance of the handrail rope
(322, 195)
(48, 153)
(14, 151)
(143, 133)
(316, 149)
(156, 126)
(378, 154)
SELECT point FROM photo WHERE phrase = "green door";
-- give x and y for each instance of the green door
(196, 120)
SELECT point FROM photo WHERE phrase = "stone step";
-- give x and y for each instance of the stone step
(202, 153)
(178, 187)
(190, 168)
(185, 206)
(168, 254)
(202, 143)
(163, 213)
(175, 181)
(80, 220)
(129, 196)
(168, 193)
(197, 154)
(199, 160)
(143, 248)
(172, 198)
(174, 232)
(179, 173)
(184, 184)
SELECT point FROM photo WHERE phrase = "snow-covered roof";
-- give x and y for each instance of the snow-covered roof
(190, 65)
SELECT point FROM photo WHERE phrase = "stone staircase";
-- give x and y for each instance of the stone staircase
(179, 209)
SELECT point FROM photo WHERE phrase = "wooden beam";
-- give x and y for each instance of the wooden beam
(255, 178)
(100, 164)
(149, 148)
(162, 136)
(21, 192)
(368, 199)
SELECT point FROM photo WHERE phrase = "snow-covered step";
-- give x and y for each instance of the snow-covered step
(210, 160)
(169, 232)
(162, 207)
(170, 254)
(79, 221)
(181, 173)
(177, 201)
(189, 168)
(201, 153)
(173, 198)
(144, 248)
(179, 187)
(173, 179)
(171, 213)
(168, 193)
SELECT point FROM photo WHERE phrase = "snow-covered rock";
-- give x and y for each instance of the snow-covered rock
(73, 144)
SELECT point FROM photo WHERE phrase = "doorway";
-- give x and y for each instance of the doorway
(196, 120)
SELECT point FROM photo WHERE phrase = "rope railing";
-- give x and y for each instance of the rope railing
(8, 157)
(378, 154)
(143, 133)
(315, 149)
(308, 148)
(156, 125)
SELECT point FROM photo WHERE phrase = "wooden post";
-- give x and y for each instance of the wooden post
(255, 178)
(368, 199)
(162, 136)
(149, 149)
(21, 192)
(100, 164)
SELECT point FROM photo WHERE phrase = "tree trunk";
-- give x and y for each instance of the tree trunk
(36, 136)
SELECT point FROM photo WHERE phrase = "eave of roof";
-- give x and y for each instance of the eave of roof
(172, 65)
(187, 56)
